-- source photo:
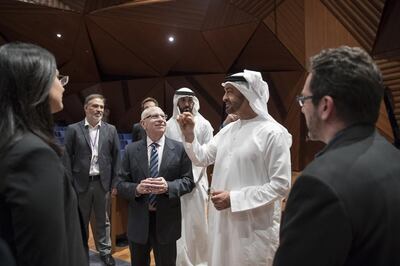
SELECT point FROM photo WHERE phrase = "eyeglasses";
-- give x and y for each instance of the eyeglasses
(301, 99)
(155, 116)
(63, 79)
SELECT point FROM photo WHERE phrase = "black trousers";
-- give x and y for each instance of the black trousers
(164, 254)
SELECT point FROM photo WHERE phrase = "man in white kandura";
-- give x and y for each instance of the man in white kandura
(192, 246)
(251, 174)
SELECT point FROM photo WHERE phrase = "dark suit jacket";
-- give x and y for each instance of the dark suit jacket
(176, 168)
(38, 207)
(138, 132)
(77, 143)
(344, 208)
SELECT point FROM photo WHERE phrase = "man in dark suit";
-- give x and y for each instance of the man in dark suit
(137, 130)
(155, 173)
(344, 208)
(93, 147)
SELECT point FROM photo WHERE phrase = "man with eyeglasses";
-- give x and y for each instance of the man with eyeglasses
(155, 173)
(251, 175)
(344, 207)
(93, 149)
(137, 130)
(192, 246)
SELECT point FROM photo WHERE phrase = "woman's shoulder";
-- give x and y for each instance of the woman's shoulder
(29, 145)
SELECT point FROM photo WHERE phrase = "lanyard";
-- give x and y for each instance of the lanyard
(94, 142)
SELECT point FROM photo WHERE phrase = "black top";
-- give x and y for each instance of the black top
(39, 216)
(344, 208)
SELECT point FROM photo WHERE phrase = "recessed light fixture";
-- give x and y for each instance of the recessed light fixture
(171, 38)
(59, 35)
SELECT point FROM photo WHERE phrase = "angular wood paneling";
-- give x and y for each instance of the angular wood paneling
(387, 42)
(257, 8)
(323, 30)
(266, 53)
(361, 18)
(188, 14)
(221, 13)
(82, 65)
(39, 25)
(228, 42)
(287, 22)
(113, 58)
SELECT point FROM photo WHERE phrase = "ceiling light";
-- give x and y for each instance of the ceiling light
(59, 35)
(171, 38)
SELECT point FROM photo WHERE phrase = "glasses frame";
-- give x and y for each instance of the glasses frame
(156, 116)
(63, 79)
(301, 99)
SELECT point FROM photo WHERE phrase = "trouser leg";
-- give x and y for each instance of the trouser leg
(102, 220)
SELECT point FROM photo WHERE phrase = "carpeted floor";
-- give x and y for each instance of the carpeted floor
(95, 260)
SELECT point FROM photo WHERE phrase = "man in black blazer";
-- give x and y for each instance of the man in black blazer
(344, 208)
(137, 130)
(93, 147)
(155, 173)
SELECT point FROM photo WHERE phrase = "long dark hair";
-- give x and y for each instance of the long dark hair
(27, 73)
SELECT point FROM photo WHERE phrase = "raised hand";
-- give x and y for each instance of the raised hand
(186, 123)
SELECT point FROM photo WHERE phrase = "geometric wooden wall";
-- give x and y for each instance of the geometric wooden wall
(121, 49)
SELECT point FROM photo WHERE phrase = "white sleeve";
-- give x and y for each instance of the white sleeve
(202, 155)
(278, 166)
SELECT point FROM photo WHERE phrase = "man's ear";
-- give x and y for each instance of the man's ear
(142, 124)
(326, 107)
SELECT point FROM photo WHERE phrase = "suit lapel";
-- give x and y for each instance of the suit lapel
(143, 159)
(85, 132)
(168, 154)
(102, 135)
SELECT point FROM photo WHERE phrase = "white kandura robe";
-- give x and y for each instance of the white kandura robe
(252, 161)
(192, 246)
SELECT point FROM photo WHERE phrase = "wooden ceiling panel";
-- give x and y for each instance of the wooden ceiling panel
(361, 18)
(228, 42)
(40, 25)
(196, 56)
(115, 58)
(146, 41)
(82, 65)
(223, 14)
(188, 14)
(289, 27)
(257, 8)
(57, 4)
(264, 52)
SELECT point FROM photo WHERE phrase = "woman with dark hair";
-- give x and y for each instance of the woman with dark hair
(39, 216)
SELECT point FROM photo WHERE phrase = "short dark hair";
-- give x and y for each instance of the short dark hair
(93, 96)
(352, 79)
(27, 74)
(148, 99)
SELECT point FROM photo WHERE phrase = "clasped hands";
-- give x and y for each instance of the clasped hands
(152, 185)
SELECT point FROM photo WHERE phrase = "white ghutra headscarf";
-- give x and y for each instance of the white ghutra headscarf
(255, 90)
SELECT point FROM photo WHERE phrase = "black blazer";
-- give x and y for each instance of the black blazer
(138, 132)
(176, 168)
(38, 207)
(344, 209)
(77, 143)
